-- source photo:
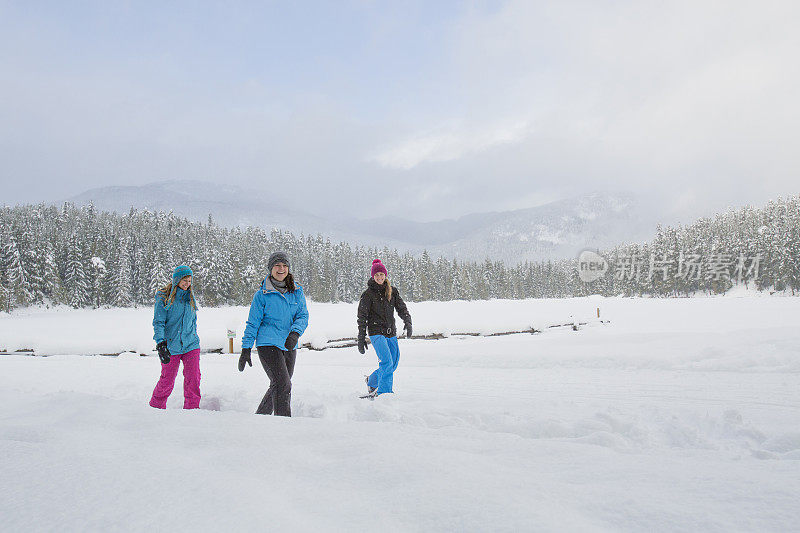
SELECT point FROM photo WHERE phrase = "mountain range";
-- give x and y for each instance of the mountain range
(555, 230)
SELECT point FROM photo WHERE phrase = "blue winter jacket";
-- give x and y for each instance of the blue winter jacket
(176, 323)
(274, 315)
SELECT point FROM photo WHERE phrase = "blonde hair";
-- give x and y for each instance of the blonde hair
(168, 292)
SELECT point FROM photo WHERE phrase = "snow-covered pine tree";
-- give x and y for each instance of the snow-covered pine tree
(17, 277)
(75, 282)
(97, 274)
(158, 274)
(52, 286)
(121, 277)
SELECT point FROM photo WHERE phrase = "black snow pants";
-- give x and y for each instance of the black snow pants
(279, 366)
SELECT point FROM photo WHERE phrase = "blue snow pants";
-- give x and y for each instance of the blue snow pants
(388, 357)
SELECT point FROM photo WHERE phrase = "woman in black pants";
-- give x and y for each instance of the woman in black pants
(278, 317)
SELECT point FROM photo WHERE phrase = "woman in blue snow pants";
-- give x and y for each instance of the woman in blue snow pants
(376, 316)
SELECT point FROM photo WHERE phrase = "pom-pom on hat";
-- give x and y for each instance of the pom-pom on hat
(377, 266)
(180, 273)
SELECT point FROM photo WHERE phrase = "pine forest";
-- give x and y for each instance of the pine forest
(77, 256)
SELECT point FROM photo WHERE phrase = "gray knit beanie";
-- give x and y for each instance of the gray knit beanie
(278, 257)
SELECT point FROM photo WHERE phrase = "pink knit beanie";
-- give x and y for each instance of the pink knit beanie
(377, 266)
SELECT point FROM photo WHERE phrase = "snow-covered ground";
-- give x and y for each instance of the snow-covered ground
(63, 330)
(677, 415)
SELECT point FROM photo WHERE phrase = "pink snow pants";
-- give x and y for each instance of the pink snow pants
(191, 380)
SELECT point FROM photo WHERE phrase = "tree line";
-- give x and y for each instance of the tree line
(80, 257)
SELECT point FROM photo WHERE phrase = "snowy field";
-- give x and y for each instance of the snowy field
(676, 415)
(65, 331)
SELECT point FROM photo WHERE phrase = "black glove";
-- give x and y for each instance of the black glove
(244, 358)
(407, 327)
(163, 352)
(291, 341)
(362, 345)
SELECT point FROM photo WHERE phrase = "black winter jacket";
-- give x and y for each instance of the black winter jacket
(377, 314)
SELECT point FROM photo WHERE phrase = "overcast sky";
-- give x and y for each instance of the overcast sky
(425, 110)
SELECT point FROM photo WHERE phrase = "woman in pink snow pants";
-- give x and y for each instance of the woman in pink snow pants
(175, 333)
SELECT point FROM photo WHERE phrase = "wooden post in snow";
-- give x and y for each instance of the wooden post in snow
(231, 335)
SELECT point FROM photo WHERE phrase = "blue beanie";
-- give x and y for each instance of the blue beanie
(180, 273)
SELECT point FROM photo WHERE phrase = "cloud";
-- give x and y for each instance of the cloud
(449, 145)
(677, 100)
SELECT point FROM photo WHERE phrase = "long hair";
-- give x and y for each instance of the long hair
(169, 291)
(388, 290)
(289, 280)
